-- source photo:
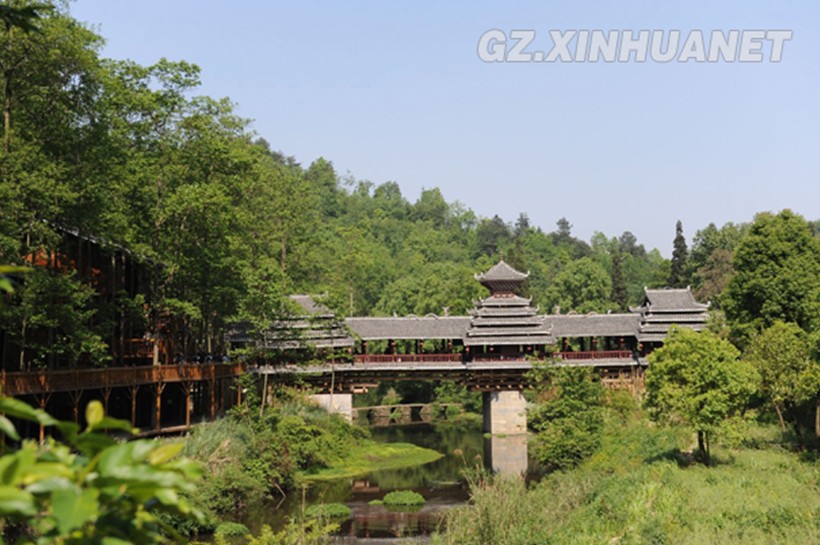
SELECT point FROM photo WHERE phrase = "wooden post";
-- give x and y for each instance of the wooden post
(132, 391)
(160, 387)
(42, 400)
(212, 382)
(186, 388)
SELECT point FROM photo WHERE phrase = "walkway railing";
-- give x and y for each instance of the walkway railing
(457, 358)
(596, 355)
(66, 380)
(406, 358)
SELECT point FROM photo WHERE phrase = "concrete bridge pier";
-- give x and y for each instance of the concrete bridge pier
(507, 454)
(505, 413)
(336, 404)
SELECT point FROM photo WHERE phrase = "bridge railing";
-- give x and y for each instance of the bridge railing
(406, 358)
(66, 380)
(596, 355)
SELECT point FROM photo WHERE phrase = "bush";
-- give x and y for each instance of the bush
(232, 529)
(403, 498)
(328, 511)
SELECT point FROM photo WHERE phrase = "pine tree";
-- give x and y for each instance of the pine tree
(619, 295)
(679, 275)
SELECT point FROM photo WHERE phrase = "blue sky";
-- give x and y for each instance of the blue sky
(396, 91)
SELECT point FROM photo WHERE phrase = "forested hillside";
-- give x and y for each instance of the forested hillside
(132, 156)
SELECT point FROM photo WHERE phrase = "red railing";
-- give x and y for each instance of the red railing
(596, 355)
(66, 380)
(406, 358)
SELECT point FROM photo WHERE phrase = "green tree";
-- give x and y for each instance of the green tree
(789, 375)
(679, 277)
(568, 415)
(697, 379)
(619, 295)
(582, 286)
(777, 276)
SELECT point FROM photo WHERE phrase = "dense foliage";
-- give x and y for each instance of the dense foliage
(567, 416)
(89, 488)
(697, 379)
(248, 458)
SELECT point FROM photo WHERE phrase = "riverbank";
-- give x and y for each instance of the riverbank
(642, 487)
(370, 456)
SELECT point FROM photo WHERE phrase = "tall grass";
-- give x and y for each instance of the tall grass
(642, 488)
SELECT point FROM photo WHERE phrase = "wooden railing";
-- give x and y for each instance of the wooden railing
(406, 358)
(450, 358)
(596, 355)
(67, 380)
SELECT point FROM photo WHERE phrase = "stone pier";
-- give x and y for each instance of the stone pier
(507, 454)
(336, 403)
(505, 413)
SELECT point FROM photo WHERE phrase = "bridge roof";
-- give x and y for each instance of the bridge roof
(409, 327)
(594, 325)
(669, 300)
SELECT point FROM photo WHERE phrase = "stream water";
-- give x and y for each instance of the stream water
(442, 483)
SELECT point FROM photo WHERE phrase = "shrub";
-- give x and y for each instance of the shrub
(328, 511)
(231, 529)
(403, 498)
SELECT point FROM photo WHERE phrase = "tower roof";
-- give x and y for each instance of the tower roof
(502, 278)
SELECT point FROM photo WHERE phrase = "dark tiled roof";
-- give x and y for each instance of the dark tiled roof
(502, 277)
(663, 307)
(594, 325)
(504, 301)
(310, 306)
(409, 327)
(669, 300)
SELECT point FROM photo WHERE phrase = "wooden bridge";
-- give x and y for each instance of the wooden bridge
(500, 379)
(138, 394)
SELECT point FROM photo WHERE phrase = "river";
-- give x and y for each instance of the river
(442, 483)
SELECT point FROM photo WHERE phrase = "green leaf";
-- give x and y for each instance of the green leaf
(7, 428)
(16, 502)
(94, 414)
(165, 453)
(18, 409)
(108, 423)
(72, 510)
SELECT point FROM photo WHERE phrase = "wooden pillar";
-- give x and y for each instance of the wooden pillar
(106, 396)
(158, 389)
(42, 400)
(132, 392)
(212, 383)
(186, 389)
(76, 396)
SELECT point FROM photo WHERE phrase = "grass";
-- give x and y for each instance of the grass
(371, 456)
(643, 488)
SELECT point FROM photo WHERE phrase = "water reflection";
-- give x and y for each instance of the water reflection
(441, 482)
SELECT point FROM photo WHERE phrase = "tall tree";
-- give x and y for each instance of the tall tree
(679, 276)
(698, 379)
(777, 276)
(789, 376)
(619, 295)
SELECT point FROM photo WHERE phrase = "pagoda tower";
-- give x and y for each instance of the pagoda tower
(505, 324)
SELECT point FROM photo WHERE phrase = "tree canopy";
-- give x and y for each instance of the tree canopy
(698, 379)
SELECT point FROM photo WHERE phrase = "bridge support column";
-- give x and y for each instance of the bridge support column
(336, 403)
(505, 413)
(507, 454)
